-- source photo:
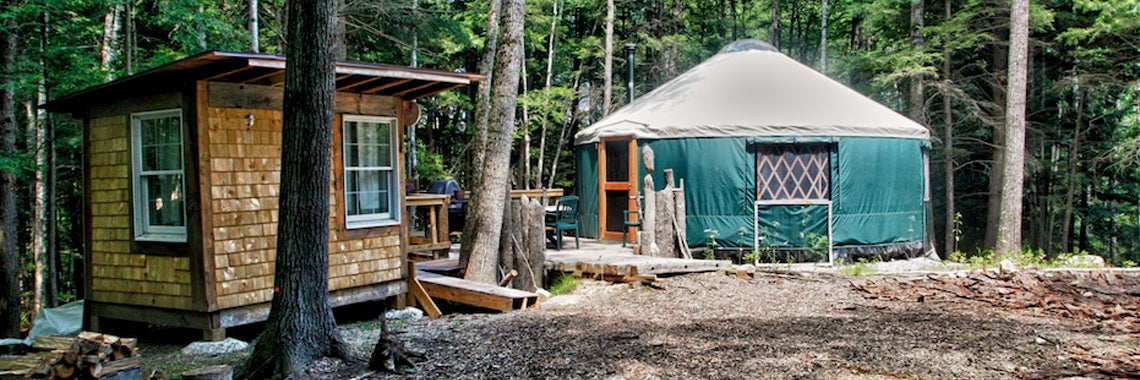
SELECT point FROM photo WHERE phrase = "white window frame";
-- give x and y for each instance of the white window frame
(143, 230)
(392, 217)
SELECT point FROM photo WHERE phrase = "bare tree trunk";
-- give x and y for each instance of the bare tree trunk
(774, 27)
(254, 43)
(9, 255)
(546, 96)
(1074, 164)
(948, 139)
(993, 207)
(823, 37)
(562, 136)
(1014, 168)
(487, 220)
(525, 159)
(478, 145)
(129, 30)
(301, 326)
(917, 40)
(340, 39)
(608, 64)
(112, 23)
(201, 30)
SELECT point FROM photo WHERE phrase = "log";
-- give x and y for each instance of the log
(524, 280)
(216, 372)
(680, 215)
(54, 343)
(98, 338)
(648, 238)
(666, 244)
(507, 279)
(536, 244)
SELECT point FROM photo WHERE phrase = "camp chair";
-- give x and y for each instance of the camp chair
(565, 218)
(627, 223)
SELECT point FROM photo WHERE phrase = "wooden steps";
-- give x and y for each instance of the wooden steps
(473, 293)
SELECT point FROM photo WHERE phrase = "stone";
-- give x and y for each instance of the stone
(1085, 261)
(226, 346)
(1007, 266)
(405, 313)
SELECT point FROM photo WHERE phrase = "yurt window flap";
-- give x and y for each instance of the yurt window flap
(793, 171)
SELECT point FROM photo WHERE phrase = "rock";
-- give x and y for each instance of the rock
(1085, 261)
(229, 345)
(749, 268)
(543, 294)
(1007, 266)
(405, 313)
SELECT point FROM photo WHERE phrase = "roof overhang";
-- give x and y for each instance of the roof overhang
(263, 69)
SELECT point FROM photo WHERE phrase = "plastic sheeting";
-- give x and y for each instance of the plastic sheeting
(66, 320)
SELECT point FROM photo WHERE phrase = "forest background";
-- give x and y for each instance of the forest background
(941, 62)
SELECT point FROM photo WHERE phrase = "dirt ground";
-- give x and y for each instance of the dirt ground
(777, 326)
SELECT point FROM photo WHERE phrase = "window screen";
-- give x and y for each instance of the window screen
(793, 171)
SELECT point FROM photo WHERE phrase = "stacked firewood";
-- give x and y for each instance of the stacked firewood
(86, 356)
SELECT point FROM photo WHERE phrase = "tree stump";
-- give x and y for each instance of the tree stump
(216, 372)
(506, 251)
(664, 230)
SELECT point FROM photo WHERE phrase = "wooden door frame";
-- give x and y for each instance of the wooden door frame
(603, 185)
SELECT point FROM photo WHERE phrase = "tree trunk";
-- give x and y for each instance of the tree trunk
(993, 208)
(608, 64)
(486, 221)
(566, 127)
(823, 37)
(1074, 164)
(774, 27)
(301, 327)
(917, 40)
(340, 39)
(9, 255)
(254, 43)
(112, 22)
(949, 235)
(546, 93)
(129, 31)
(478, 145)
(1014, 169)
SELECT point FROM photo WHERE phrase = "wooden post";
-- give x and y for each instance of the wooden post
(679, 215)
(648, 238)
(666, 237)
(521, 233)
(536, 242)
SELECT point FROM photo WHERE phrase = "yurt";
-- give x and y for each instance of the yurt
(774, 157)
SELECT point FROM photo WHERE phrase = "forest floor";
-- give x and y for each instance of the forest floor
(781, 325)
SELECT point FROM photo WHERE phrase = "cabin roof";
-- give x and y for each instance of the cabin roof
(264, 69)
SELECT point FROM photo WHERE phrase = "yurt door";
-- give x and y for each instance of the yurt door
(617, 180)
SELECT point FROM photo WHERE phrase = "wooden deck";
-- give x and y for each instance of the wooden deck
(458, 290)
(619, 263)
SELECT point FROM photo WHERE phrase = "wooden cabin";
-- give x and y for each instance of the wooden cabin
(181, 170)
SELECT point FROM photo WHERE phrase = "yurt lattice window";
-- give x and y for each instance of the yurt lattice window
(793, 171)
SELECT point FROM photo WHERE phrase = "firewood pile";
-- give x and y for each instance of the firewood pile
(1109, 300)
(86, 356)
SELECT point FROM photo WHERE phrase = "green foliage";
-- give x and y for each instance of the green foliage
(564, 284)
(860, 268)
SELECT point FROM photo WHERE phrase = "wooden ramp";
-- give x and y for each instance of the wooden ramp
(486, 296)
(620, 264)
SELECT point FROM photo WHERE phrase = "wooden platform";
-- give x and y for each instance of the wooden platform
(610, 263)
(458, 290)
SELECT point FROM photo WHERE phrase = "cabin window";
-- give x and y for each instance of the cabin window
(159, 197)
(370, 181)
